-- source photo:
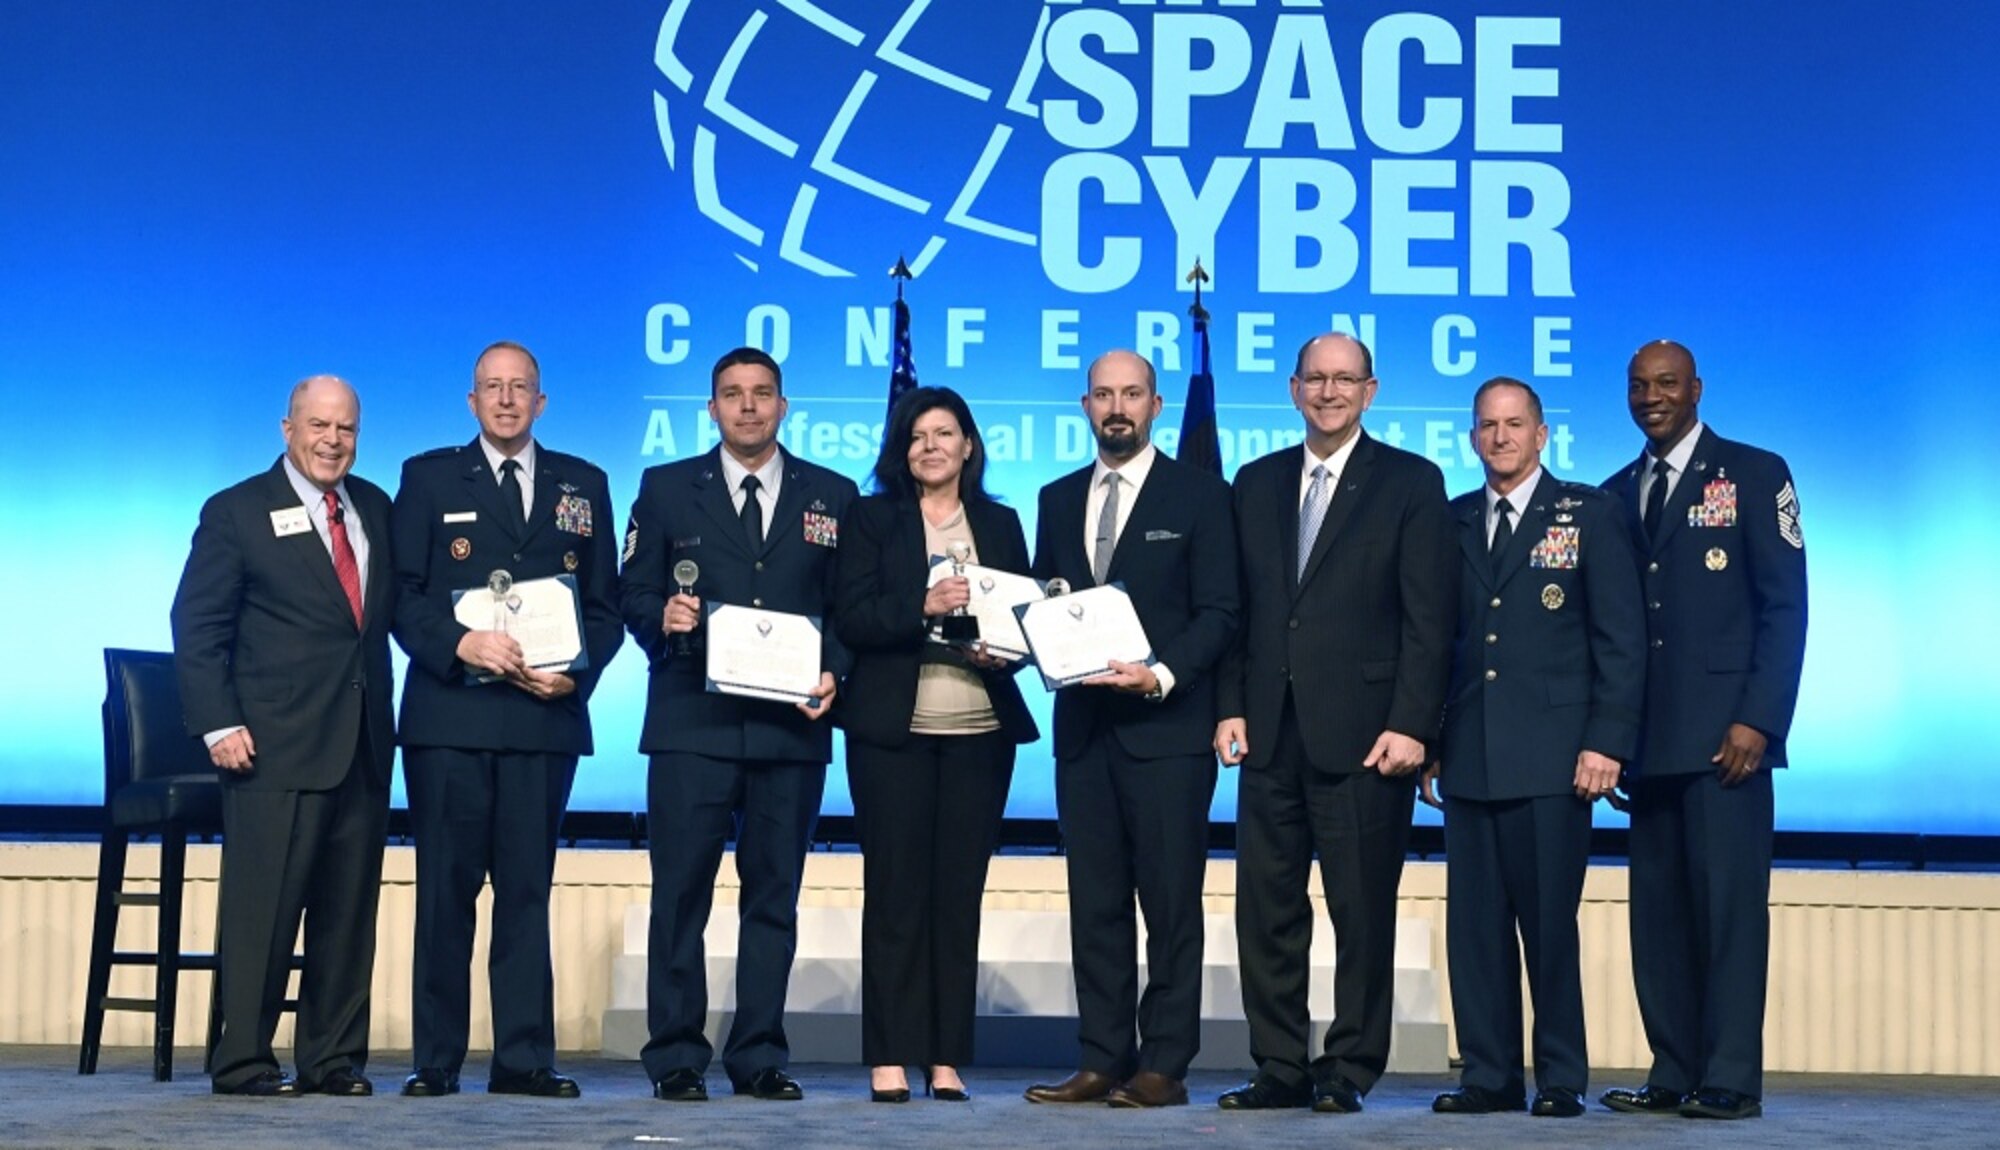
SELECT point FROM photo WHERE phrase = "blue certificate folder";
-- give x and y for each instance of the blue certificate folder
(580, 662)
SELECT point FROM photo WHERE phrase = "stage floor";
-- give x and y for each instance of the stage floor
(44, 1103)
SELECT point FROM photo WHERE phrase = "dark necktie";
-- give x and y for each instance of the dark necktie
(751, 514)
(510, 494)
(1503, 532)
(1656, 498)
(345, 568)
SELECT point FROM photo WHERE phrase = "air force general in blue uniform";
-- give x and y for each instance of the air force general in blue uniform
(1722, 556)
(1548, 674)
(490, 764)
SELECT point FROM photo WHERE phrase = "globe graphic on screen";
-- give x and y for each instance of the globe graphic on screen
(834, 138)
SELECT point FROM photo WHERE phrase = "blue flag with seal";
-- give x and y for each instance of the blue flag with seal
(1199, 446)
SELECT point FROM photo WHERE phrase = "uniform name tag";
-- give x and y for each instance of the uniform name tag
(461, 517)
(290, 521)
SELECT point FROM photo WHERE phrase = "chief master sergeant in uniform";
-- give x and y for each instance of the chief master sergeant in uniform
(1722, 556)
(761, 526)
(489, 764)
(1548, 675)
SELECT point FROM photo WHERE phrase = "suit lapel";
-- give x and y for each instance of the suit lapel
(548, 490)
(1533, 526)
(306, 546)
(1354, 481)
(713, 496)
(482, 489)
(789, 510)
(1152, 496)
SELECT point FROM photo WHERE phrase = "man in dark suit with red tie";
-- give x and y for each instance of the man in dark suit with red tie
(281, 644)
(1134, 772)
(1330, 702)
(1548, 676)
(490, 763)
(761, 526)
(1723, 562)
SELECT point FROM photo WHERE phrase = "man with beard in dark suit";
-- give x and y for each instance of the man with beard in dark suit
(281, 645)
(1722, 557)
(1548, 675)
(1134, 771)
(1335, 691)
(761, 526)
(490, 764)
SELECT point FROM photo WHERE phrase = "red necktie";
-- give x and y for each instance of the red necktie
(345, 568)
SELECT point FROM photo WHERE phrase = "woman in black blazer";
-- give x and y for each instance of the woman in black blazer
(931, 731)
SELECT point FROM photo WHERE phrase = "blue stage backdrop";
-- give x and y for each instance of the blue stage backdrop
(202, 202)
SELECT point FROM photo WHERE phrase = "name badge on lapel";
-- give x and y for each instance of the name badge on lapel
(1718, 504)
(290, 521)
(823, 530)
(573, 515)
(1557, 549)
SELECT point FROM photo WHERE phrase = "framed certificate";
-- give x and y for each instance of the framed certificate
(995, 594)
(545, 616)
(763, 654)
(1075, 637)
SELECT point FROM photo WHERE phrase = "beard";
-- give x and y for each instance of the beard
(1119, 439)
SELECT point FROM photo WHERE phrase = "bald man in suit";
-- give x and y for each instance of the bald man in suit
(281, 644)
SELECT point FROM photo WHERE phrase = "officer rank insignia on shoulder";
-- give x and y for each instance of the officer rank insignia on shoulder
(1789, 528)
(573, 514)
(823, 530)
(1718, 504)
(1557, 549)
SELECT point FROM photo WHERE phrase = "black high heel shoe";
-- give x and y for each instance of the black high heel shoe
(946, 1093)
(897, 1094)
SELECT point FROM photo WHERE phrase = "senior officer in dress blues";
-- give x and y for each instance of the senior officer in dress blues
(761, 526)
(489, 764)
(1723, 564)
(1548, 676)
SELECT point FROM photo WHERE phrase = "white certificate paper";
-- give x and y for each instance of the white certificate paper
(762, 654)
(1075, 637)
(543, 615)
(995, 594)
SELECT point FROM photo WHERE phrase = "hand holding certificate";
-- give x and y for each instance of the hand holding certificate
(543, 616)
(995, 594)
(1076, 637)
(763, 654)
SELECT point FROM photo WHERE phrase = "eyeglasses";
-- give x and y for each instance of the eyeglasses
(1334, 382)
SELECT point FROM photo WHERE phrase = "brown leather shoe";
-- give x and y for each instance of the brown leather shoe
(1083, 1086)
(1146, 1090)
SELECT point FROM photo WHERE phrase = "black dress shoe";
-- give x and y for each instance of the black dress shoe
(1715, 1102)
(771, 1084)
(1557, 1102)
(893, 1094)
(541, 1082)
(681, 1085)
(430, 1082)
(1648, 1099)
(340, 1082)
(1477, 1100)
(946, 1093)
(1264, 1093)
(1336, 1096)
(269, 1084)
